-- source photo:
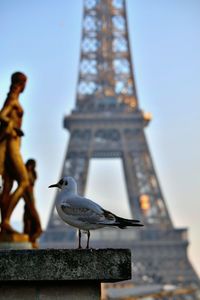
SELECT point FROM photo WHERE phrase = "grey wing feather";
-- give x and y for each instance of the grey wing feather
(80, 202)
(84, 208)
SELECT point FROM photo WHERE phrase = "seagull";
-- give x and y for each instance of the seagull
(83, 213)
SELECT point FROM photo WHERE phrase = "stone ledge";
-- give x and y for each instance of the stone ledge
(104, 265)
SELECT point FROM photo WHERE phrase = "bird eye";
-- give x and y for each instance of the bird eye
(61, 182)
(66, 182)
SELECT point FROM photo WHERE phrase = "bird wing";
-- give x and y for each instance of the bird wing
(83, 209)
(88, 211)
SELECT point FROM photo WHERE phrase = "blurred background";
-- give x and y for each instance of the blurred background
(42, 39)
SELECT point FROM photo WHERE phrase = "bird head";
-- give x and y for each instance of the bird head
(66, 182)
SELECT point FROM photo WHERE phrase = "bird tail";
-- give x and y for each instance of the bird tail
(120, 222)
(123, 223)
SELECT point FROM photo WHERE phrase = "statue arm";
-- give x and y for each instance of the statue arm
(5, 112)
(5, 119)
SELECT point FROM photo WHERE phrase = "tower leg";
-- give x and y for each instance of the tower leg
(132, 187)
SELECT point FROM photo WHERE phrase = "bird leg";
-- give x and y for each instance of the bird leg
(88, 239)
(79, 239)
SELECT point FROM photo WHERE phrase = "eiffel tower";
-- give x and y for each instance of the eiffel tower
(107, 122)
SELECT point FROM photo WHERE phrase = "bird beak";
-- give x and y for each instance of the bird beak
(54, 185)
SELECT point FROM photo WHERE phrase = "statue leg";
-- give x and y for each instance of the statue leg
(20, 173)
(5, 200)
(2, 156)
(5, 196)
(26, 220)
(36, 228)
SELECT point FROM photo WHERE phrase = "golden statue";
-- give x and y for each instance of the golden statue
(12, 167)
(32, 225)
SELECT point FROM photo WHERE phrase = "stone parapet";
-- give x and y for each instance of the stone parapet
(60, 273)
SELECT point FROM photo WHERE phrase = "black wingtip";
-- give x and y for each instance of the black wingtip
(140, 224)
(128, 222)
(125, 225)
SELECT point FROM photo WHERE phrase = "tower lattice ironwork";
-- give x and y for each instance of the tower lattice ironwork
(108, 122)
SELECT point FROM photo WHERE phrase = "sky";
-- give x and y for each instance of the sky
(42, 39)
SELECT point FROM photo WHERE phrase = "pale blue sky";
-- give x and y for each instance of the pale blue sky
(42, 39)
